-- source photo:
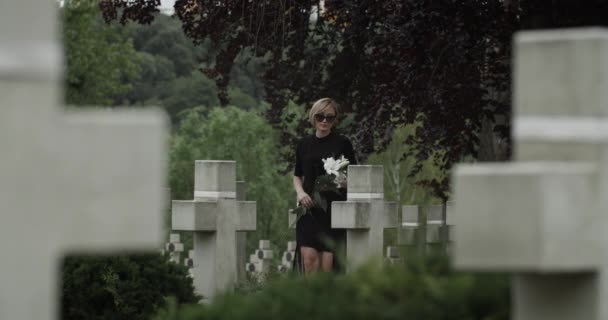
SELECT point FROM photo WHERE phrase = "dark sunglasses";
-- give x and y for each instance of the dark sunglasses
(328, 117)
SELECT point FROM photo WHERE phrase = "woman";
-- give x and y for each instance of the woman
(314, 235)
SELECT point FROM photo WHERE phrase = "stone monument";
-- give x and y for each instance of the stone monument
(174, 247)
(215, 217)
(543, 216)
(71, 182)
(364, 214)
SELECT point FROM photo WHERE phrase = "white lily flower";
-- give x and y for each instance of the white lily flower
(342, 162)
(333, 166)
(329, 165)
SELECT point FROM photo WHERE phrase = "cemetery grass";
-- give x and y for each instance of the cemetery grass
(422, 288)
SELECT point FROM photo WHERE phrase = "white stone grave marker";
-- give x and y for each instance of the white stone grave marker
(365, 214)
(189, 263)
(174, 247)
(543, 217)
(287, 257)
(436, 228)
(260, 262)
(70, 182)
(215, 217)
(263, 252)
(411, 234)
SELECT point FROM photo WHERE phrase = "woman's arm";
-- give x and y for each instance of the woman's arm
(303, 197)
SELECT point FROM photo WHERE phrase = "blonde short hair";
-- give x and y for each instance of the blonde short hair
(321, 105)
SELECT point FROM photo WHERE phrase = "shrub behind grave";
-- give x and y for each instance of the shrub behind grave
(426, 290)
(122, 287)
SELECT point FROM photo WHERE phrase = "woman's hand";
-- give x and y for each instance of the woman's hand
(305, 200)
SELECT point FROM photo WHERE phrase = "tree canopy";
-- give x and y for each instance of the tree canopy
(444, 64)
(100, 63)
(244, 136)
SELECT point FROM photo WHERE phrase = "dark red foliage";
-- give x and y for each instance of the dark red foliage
(141, 11)
(445, 63)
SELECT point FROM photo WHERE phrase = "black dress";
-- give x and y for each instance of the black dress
(314, 230)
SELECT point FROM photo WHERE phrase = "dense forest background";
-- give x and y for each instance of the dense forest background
(138, 66)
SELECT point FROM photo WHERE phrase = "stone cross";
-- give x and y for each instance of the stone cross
(543, 217)
(174, 247)
(189, 262)
(287, 257)
(263, 252)
(215, 217)
(411, 233)
(77, 182)
(436, 228)
(260, 261)
(365, 214)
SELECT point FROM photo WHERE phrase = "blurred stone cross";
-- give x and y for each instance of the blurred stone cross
(189, 262)
(287, 257)
(544, 216)
(174, 247)
(436, 232)
(260, 262)
(365, 214)
(70, 182)
(411, 232)
(215, 217)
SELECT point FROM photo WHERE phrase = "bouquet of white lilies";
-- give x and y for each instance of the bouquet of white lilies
(337, 168)
(333, 179)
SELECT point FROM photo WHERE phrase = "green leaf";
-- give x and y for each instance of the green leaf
(299, 212)
(320, 202)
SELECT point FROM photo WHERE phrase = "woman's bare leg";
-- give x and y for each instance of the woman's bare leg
(327, 261)
(310, 257)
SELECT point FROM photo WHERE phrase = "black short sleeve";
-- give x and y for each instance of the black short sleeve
(349, 152)
(298, 168)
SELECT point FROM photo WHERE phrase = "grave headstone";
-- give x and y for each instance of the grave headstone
(287, 257)
(263, 252)
(436, 228)
(215, 217)
(260, 262)
(411, 234)
(543, 217)
(73, 182)
(365, 215)
(174, 247)
(189, 263)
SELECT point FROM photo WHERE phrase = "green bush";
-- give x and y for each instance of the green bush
(230, 133)
(419, 290)
(122, 287)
